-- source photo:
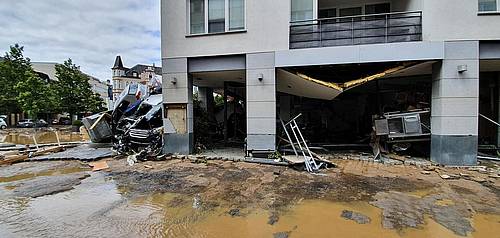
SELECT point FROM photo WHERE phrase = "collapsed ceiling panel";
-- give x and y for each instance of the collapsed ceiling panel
(296, 85)
(302, 85)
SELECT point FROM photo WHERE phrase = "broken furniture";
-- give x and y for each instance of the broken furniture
(404, 126)
(400, 129)
(98, 127)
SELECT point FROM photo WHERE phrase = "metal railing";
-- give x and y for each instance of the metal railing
(356, 30)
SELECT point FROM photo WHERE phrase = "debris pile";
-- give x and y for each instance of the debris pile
(135, 126)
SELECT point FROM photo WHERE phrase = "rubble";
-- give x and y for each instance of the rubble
(82, 153)
(356, 216)
(37, 187)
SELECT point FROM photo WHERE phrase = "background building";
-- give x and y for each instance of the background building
(123, 76)
(47, 71)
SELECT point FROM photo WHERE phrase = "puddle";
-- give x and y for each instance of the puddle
(43, 173)
(99, 208)
(423, 192)
(45, 137)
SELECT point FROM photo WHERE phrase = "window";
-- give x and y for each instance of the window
(488, 5)
(378, 8)
(236, 15)
(352, 11)
(197, 16)
(302, 10)
(327, 13)
(216, 16)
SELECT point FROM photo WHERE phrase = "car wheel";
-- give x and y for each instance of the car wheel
(3, 127)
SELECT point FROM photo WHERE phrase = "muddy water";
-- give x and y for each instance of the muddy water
(98, 208)
(42, 138)
(52, 172)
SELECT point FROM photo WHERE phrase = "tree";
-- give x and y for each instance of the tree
(73, 89)
(14, 68)
(34, 95)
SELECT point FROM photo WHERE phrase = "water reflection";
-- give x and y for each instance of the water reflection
(42, 137)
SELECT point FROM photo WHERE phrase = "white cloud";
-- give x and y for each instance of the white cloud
(90, 32)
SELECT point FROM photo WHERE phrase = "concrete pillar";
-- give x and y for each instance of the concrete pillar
(285, 107)
(202, 97)
(455, 105)
(177, 106)
(498, 105)
(261, 102)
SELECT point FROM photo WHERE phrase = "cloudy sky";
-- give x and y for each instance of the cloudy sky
(91, 32)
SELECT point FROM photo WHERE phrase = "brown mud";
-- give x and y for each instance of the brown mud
(179, 198)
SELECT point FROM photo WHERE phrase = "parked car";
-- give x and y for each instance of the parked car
(26, 123)
(41, 123)
(64, 121)
(3, 124)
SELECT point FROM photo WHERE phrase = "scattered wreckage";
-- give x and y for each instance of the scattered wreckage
(135, 126)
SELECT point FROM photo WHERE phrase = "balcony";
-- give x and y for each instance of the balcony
(356, 30)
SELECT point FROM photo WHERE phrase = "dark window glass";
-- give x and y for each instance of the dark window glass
(327, 13)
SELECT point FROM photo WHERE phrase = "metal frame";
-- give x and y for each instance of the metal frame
(317, 33)
(311, 165)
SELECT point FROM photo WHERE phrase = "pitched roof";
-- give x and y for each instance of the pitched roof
(118, 63)
(140, 68)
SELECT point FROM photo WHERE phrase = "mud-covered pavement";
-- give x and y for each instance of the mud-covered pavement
(183, 198)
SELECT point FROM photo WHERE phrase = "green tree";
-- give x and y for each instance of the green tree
(73, 89)
(14, 68)
(35, 95)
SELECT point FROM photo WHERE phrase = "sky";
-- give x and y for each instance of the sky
(90, 32)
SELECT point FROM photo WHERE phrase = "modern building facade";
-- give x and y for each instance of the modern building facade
(337, 62)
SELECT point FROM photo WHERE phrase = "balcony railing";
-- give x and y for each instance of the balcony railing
(356, 30)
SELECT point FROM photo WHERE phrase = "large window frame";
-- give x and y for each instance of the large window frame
(227, 26)
(338, 8)
(496, 11)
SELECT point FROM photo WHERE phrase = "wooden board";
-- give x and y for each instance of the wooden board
(99, 165)
(13, 159)
(293, 159)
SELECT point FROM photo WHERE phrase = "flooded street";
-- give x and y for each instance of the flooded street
(42, 136)
(225, 199)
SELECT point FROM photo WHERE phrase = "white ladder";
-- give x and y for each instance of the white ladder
(310, 163)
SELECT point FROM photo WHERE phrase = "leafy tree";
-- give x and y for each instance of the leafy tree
(35, 95)
(73, 90)
(14, 68)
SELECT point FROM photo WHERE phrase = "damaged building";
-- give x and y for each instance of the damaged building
(415, 75)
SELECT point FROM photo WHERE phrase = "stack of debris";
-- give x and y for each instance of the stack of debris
(135, 126)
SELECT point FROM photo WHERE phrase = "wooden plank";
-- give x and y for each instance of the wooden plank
(54, 149)
(13, 159)
(293, 159)
(99, 165)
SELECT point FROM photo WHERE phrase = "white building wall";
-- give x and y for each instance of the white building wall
(267, 24)
(446, 20)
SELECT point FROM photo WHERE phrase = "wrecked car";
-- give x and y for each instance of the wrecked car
(135, 126)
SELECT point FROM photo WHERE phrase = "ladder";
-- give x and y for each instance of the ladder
(310, 163)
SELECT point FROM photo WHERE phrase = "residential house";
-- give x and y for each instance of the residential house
(123, 76)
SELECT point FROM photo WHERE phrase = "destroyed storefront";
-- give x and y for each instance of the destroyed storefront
(372, 107)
